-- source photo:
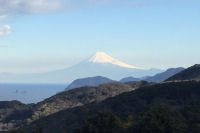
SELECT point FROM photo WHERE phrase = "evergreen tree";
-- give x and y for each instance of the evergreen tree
(103, 122)
(192, 114)
(160, 119)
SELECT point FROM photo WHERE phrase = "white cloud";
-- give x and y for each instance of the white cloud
(9, 7)
(15, 7)
(5, 30)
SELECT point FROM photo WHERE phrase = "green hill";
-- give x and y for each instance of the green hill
(15, 114)
(176, 95)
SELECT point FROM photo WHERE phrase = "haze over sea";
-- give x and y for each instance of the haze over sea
(29, 93)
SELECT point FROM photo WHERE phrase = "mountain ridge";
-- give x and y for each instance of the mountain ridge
(123, 105)
(157, 78)
(15, 114)
(110, 68)
(89, 81)
(191, 73)
(160, 77)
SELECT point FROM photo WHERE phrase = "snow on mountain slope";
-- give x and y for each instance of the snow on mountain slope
(101, 57)
(100, 64)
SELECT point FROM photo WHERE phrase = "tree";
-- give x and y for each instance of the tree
(103, 122)
(160, 119)
(192, 114)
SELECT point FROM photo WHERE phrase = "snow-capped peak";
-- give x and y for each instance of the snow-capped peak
(101, 57)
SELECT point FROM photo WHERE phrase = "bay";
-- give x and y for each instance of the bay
(29, 93)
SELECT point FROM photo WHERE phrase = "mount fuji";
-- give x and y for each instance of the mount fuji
(103, 58)
(100, 64)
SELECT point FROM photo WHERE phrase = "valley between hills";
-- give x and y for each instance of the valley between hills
(121, 107)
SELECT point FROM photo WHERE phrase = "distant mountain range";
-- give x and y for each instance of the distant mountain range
(160, 77)
(90, 81)
(99, 80)
(164, 75)
(100, 64)
(128, 79)
(191, 73)
(68, 110)
(96, 81)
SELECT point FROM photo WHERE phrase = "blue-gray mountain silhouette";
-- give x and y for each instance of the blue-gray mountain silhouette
(90, 81)
(100, 64)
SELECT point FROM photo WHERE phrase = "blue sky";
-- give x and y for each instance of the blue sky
(42, 37)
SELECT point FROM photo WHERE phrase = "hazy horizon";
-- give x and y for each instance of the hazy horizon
(40, 35)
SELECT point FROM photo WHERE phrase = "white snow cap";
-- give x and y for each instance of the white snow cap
(101, 57)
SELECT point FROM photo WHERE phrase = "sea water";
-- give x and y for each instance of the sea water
(29, 93)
